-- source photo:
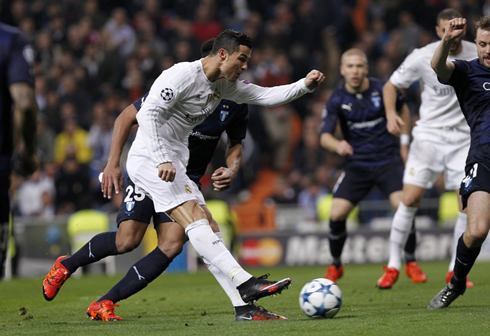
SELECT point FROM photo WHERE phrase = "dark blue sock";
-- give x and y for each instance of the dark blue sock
(465, 258)
(337, 237)
(411, 245)
(99, 247)
(139, 276)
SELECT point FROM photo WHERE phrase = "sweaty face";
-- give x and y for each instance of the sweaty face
(236, 63)
(456, 46)
(354, 69)
(483, 47)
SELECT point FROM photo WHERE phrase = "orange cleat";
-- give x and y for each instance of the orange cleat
(450, 274)
(414, 272)
(389, 278)
(55, 279)
(334, 273)
(103, 310)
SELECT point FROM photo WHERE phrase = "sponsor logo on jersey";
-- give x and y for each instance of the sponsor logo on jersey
(201, 136)
(188, 189)
(167, 94)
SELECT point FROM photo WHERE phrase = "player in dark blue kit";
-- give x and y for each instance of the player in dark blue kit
(137, 210)
(373, 154)
(471, 82)
(18, 113)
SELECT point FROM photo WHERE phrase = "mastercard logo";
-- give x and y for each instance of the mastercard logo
(261, 252)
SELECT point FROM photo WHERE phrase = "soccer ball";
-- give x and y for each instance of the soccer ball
(320, 298)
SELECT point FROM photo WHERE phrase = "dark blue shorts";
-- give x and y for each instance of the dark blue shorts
(477, 173)
(356, 182)
(136, 205)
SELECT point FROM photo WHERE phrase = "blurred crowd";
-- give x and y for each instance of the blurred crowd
(94, 57)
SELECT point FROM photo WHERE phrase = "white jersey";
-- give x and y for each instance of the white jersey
(439, 108)
(182, 97)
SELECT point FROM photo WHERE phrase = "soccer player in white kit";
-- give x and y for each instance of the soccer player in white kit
(441, 139)
(179, 99)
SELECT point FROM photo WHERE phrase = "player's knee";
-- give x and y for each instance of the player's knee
(171, 248)
(127, 243)
(411, 201)
(338, 216)
(477, 236)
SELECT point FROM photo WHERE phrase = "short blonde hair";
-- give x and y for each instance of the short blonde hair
(354, 51)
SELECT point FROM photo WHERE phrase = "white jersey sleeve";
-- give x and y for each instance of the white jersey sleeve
(246, 92)
(408, 72)
(154, 113)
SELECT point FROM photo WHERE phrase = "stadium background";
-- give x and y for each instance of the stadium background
(93, 58)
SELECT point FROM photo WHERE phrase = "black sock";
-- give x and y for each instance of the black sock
(337, 238)
(242, 309)
(247, 283)
(99, 247)
(410, 245)
(139, 276)
(465, 258)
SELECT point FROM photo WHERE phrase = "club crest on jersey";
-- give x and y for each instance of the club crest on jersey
(188, 189)
(129, 207)
(167, 94)
(216, 95)
(223, 114)
(376, 100)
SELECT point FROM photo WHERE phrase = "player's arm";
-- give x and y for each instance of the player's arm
(245, 92)
(331, 143)
(112, 176)
(25, 123)
(444, 68)
(394, 122)
(223, 177)
(405, 132)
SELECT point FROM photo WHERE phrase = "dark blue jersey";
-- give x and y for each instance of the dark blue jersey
(16, 56)
(471, 81)
(363, 123)
(228, 116)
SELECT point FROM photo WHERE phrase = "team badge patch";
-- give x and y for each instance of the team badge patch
(376, 100)
(223, 115)
(188, 189)
(129, 207)
(167, 94)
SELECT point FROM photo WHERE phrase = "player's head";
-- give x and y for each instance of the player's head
(442, 20)
(482, 41)
(206, 47)
(354, 68)
(234, 50)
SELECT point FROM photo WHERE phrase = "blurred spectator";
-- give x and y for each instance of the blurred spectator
(45, 140)
(99, 137)
(310, 194)
(72, 142)
(35, 196)
(72, 185)
(121, 35)
(205, 26)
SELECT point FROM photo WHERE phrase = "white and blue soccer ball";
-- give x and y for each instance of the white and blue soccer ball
(320, 298)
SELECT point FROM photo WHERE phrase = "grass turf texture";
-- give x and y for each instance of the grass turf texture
(193, 304)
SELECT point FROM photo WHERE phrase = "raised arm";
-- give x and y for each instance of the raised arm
(112, 176)
(25, 123)
(444, 68)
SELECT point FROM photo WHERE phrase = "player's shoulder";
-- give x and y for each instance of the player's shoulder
(338, 95)
(9, 33)
(376, 83)
(180, 75)
(425, 51)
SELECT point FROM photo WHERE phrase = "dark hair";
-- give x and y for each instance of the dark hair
(206, 47)
(230, 40)
(483, 23)
(448, 14)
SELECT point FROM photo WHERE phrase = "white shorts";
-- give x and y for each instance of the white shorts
(165, 195)
(427, 159)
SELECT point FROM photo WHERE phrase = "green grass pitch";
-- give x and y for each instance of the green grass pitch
(193, 304)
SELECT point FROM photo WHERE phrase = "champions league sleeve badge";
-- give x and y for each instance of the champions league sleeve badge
(167, 94)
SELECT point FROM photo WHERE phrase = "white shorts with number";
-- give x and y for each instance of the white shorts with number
(165, 195)
(428, 158)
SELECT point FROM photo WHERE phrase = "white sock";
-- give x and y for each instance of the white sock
(225, 282)
(210, 247)
(459, 229)
(400, 229)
